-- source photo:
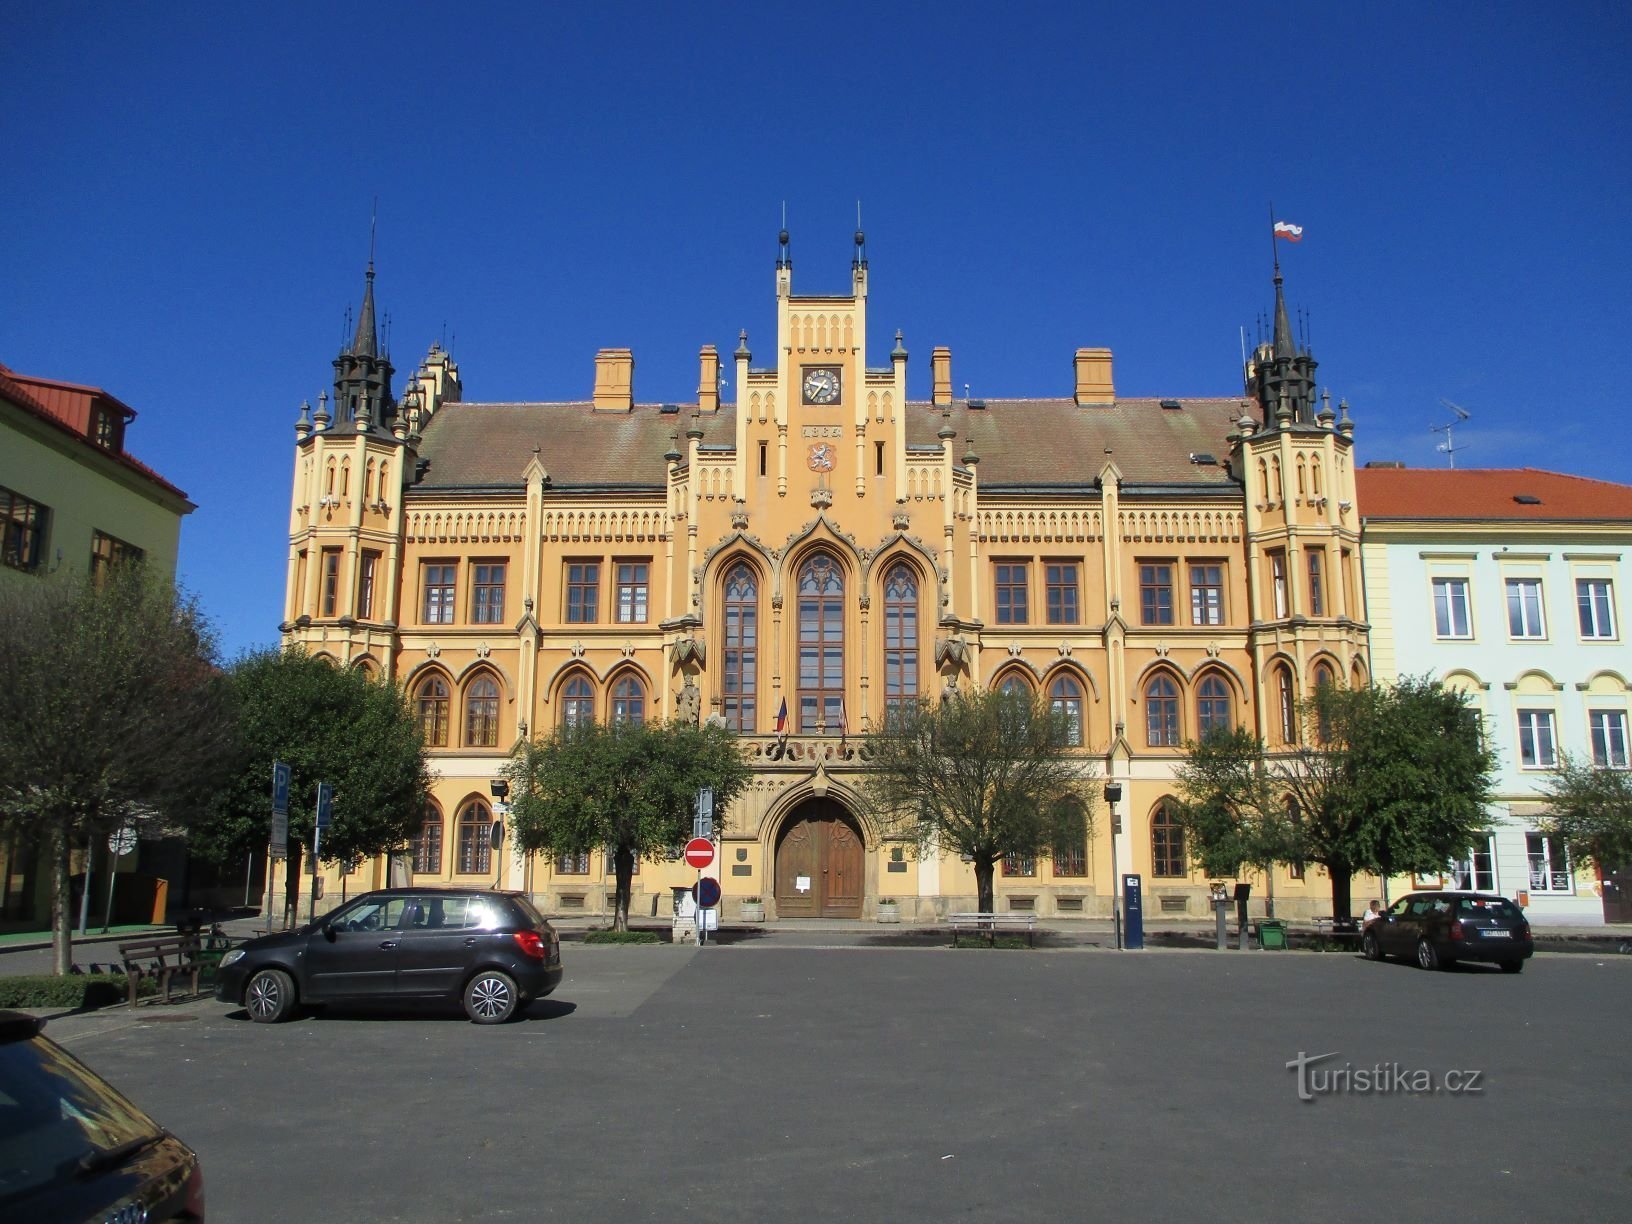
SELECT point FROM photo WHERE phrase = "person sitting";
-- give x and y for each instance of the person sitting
(1373, 912)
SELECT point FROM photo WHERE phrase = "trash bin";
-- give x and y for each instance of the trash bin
(1272, 934)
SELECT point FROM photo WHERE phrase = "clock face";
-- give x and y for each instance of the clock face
(820, 457)
(821, 385)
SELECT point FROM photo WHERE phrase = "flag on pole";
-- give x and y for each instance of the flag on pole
(782, 718)
(1292, 233)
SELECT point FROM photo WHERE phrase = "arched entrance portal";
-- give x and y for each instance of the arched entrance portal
(819, 863)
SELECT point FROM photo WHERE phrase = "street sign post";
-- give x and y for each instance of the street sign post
(324, 818)
(280, 810)
(699, 853)
(708, 892)
(703, 824)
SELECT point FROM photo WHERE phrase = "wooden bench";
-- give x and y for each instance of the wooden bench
(1336, 932)
(990, 924)
(164, 959)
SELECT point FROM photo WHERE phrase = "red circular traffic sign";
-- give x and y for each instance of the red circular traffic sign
(699, 852)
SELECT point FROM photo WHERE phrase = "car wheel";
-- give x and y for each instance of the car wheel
(270, 996)
(491, 998)
(1427, 956)
(1370, 948)
(1513, 966)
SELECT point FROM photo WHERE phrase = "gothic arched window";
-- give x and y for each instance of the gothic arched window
(431, 703)
(821, 646)
(482, 713)
(1212, 705)
(428, 842)
(739, 676)
(1162, 713)
(475, 839)
(577, 703)
(900, 639)
(1065, 697)
(628, 702)
(1167, 857)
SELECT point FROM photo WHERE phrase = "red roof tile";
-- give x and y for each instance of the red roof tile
(1464, 494)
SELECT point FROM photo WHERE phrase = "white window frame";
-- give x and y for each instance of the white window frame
(1447, 627)
(1589, 611)
(1549, 863)
(1477, 869)
(1607, 730)
(1531, 724)
(1521, 628)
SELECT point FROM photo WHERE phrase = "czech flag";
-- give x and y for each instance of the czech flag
(1292, 233)
(782, 718)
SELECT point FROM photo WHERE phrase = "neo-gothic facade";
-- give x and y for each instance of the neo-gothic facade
(1154, 566)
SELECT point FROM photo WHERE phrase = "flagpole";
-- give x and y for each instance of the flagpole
(1274, 251)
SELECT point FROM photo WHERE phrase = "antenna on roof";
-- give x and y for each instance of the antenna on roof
(1449, 446)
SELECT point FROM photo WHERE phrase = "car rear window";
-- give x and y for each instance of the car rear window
(1488, 907)
(534, 918)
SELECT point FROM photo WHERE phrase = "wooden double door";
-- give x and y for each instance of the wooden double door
(819, 861)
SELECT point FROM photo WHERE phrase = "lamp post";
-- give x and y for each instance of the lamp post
(500, 787)
(1113, 796)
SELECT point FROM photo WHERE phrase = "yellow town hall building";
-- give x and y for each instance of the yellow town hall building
(1154, 566)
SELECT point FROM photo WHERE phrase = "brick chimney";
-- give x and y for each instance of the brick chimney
(614, 380)
(940, 374)
(708, 380)
(1094, 386)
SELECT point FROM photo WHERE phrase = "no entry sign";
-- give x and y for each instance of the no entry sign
(699, 852)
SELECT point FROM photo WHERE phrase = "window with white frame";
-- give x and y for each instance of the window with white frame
(1524, 618)
(1537, 746)
(1477, 869)
(1608, 729)
(1595, 605)
(1549, 864)
(1451, 618)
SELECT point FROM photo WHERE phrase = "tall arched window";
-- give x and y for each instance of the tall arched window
(1065, 697)
(475, 839)
(1286, 704)
(900, 640)
(482, 713)
(1167, 858)
(577, 703)
(1325, 678)
(739, 678)
(821, 646)
(1162, 713)
(428, 842)
(1015, 685)
(431, 702)
(628, 702)
(1212, 705)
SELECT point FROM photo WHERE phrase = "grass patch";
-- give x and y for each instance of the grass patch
(1000, 941)
(85, 991)
(621, 937)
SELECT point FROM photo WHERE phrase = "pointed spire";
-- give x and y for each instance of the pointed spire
(366, 342)
(1284, 346)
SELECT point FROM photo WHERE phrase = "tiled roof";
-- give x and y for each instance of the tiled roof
(1476, 494)
(1019, 442)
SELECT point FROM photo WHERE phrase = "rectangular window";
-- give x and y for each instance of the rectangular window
(108, 551)
(105, 430)
(1608, 738)
(1061, 577)
(1345, 562)
(1011, 580)
(610, 855)
(1549, 865)
(22, 531)
(1451, 608)
(762, 451)
(878, 459)
(1537, 749)
(572, 864)
(330, 596)
(1595, 604)
(487, 594)
(1277, 582)
(633, 577)
(583, 592)
(1476, 872)
(367, 576)
(1206, 594)
(1156, 594)
(1071, 858)
(1317, 584)
(1524, 619)
(1019, 865)
(437, 583)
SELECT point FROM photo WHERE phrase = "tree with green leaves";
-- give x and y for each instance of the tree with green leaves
(1396, 779)
(327, 724)
(984, 774)
(111, 709)
(627, 788)
(1234, 808)
(1590, 807)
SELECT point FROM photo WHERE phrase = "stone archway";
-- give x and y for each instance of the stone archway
(820, 862)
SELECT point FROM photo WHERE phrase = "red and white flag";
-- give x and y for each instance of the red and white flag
(782, 718)
(1292, 233)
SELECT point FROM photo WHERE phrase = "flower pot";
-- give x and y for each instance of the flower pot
(889, 911)
(751, 911)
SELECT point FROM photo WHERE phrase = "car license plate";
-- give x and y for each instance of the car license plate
(1498, 934)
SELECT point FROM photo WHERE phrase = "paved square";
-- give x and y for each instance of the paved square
(756, 1082)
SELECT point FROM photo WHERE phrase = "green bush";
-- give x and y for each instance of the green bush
(84, 991)
(621, 937)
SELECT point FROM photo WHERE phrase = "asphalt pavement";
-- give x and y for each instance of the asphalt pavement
(760, 1080)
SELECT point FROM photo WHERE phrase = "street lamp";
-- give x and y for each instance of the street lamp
(495, 833)
(1113, 796)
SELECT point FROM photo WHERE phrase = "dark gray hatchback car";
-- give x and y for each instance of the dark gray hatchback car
(1437, 929)
(490, 951)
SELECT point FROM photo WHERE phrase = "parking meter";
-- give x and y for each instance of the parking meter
(1133, 898)
(1242, 892)
(1221, 912)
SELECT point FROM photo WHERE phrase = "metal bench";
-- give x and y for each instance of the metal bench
(990, 924)
(1336, 932)
(163, 959)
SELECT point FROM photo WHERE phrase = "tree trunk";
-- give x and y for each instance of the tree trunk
(983, 884)
(1342, 881)
(625, 860)
(62, 903)
(1269, 891)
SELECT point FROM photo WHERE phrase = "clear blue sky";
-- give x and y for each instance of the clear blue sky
(188, 191)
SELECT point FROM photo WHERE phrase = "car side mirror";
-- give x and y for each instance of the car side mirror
(328, 932)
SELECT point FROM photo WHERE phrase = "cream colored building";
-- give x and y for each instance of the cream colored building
(1153, 565)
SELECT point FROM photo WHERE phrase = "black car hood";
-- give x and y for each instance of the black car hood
(279, 939)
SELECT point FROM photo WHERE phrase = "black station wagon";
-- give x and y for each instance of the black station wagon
(1438, 929)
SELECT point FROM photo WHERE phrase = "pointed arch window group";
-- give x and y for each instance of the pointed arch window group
(481, 706)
